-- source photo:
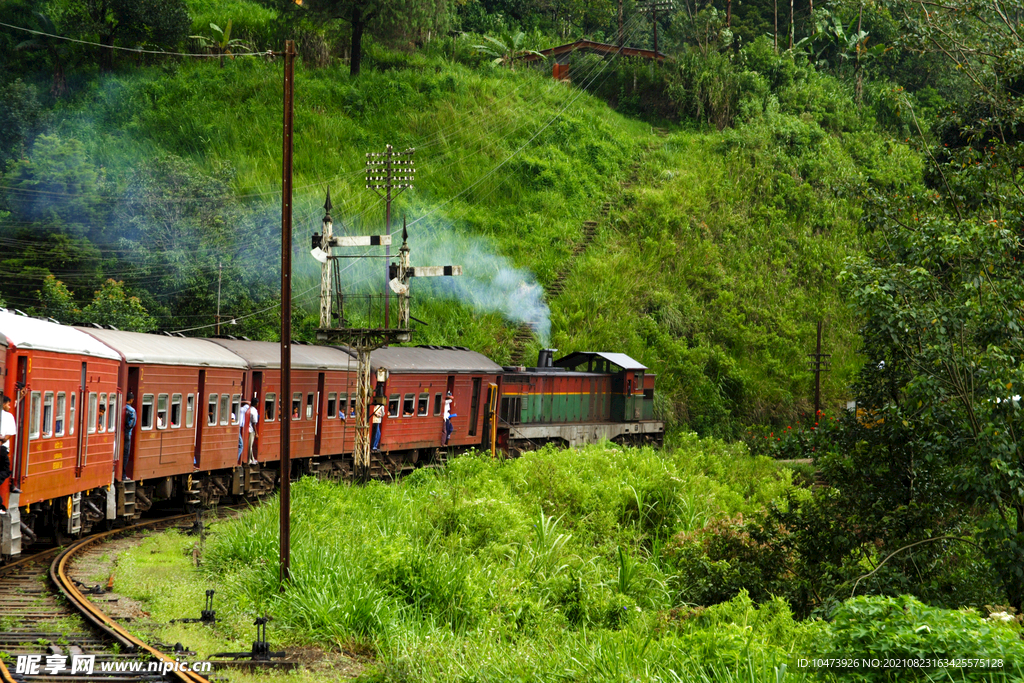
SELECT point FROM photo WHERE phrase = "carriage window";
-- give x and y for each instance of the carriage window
(48, 413)
(437, 403)
(176, 410)
(421, 409)
(296, 405)
(101, 420)
(92, 412)
(352, 406)
(211, 410)
(408, 405)
(393, 402)
(235, 408)
(190, 410)
(342, 405)
(147, 411)
(309, 406)
(60, 413)
(112, 413)
(332, 400)
(161, 411)
(269, 403)
(37, 403)
(71, 416)
(225, 416)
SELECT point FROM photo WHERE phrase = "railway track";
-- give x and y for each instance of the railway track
(46, 613)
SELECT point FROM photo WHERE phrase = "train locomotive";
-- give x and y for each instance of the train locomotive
(77, 468)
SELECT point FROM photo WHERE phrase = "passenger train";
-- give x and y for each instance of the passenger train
(74, 475)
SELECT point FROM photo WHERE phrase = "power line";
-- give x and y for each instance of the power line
(205, 55)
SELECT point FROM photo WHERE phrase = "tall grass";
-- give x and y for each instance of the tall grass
(539, 568)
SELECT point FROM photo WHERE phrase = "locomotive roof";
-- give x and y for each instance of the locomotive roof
(430, 359)
(304, 356)
(163, 350)
(43, 335)
(621, 360)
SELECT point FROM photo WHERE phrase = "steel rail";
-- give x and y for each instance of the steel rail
(58, 573)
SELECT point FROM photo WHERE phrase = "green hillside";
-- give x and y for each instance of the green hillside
(713, 256)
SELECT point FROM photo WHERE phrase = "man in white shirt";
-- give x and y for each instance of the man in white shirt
(8, 430)
(449, 405)
(247, 419)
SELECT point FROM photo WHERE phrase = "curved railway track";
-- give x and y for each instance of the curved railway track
(57, 619)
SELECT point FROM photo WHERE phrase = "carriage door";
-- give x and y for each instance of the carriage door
(200, 419)
(319, 413)
(474, 407)
(638, 392)
(257, 397)
(20, 463)
(83, 421)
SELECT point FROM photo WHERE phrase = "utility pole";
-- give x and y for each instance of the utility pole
(821, 362)
(653, 6)
(220, 272)
(286, 310)
(391, 172)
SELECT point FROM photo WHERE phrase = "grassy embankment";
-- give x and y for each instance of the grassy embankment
(560, 565)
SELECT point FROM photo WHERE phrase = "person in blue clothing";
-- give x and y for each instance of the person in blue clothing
(129, 429)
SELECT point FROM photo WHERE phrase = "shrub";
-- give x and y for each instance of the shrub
(903, 628)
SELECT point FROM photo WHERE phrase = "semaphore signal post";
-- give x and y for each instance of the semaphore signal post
(387, 174)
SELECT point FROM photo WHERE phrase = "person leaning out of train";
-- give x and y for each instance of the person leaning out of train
(247, 420)
(449, 406)
(378, 418)
(8, 430)
(129, 429)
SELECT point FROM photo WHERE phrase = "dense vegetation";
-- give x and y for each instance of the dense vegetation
(853, 162)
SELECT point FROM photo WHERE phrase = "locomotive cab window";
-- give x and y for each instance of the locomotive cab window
(408, 405)
(296, 405)
(59, 423)
(190, 411)
(235, 408)
(161, 411)
(146, 417)
(176, 410)
(424, 403)
(35, 410)
(211, 410)
(92, 412)
(393, 401)
(332, 401)
(269, 404)
(225, 416)
(48, 413)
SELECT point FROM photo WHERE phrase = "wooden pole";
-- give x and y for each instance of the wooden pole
(286, 311)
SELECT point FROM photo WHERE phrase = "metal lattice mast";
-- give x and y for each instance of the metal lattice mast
(391, 172)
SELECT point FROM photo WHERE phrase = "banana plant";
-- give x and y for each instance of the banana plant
(506, 49)
(223, 44)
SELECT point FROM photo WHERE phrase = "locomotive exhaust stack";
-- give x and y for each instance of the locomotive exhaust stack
(546, 358)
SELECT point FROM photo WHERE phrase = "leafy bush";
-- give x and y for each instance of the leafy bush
(903, 628)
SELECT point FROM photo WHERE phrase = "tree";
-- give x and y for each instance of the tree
(385, 19)
(45, 41)
(56, 301)
(19, 114)
(111, 305)
(507, 49)
(941, 293)
(153, 22)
